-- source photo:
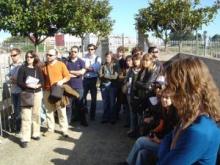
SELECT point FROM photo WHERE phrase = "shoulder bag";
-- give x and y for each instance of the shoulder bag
(27, 98)
(56, 91)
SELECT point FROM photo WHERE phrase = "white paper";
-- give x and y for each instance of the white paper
(153, 100)
(32, 80)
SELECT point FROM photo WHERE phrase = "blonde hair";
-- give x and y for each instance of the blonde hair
(194, 89)
(149, 57)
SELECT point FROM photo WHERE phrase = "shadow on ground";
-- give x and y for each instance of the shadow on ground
(98, 144)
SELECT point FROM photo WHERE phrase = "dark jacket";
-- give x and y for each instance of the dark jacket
(145, 82)
(108, 74)
(24, 72)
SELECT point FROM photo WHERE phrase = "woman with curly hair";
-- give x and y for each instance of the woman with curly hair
(197, 138)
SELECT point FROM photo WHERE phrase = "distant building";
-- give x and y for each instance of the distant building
(110, 43)
(92, 39)
(113, 42)
(71, 40)
(50, 42)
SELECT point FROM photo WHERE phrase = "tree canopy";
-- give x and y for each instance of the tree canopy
(216, 37)
(186, 36)
(39, 19)
(91, 17)
(178, 16)
(15, 39)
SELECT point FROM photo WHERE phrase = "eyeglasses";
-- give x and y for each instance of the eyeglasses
(30, 57)
(50, 55)
(14, 55)
(91, 49)
(155, 51)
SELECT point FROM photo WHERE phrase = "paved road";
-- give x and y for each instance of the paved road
(97, 144)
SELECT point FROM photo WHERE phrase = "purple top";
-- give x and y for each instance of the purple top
(76, 82)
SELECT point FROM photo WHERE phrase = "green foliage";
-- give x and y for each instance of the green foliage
(177, 16)
(177, 37)
(28, 47)
(38, 19)
(92, 16)
(15, 39)
(216, 37)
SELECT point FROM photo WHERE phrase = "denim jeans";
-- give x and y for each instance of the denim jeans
(109, 100)
(89, 84)
(143, 146)
(74, 106)
(16, 100)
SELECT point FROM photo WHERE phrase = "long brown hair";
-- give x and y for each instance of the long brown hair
(36, 61)
(194, 89)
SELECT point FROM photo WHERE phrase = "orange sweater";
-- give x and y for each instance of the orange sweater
(57, 72)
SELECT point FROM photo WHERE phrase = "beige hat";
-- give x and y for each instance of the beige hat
(52, 52)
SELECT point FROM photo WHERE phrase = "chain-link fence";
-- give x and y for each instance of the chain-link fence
(211, 48)
(24, 46)
(6, 109)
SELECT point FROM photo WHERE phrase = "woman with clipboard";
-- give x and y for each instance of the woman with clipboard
(30, 80)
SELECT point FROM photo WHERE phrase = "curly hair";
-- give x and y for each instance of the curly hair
(194, 89)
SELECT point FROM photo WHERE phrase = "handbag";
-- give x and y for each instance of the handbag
(27, 99)
(56, 91)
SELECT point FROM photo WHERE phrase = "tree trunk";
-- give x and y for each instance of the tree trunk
(98, 42)
(165, 46)
(36, 46)
(147, 41)
(82, 45)
(180, 46)
(166, 40)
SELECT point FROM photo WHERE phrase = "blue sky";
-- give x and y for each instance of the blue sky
(124, 11)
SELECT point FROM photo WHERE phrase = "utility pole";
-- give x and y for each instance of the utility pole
(197, 42)
(123, 39)
(204, 38)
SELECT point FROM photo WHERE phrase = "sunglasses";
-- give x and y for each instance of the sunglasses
(50, 55)
(74, 52)
(14, 55)
(30, 57)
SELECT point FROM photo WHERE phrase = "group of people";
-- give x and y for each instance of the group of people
(173, 109)
(74, 75)
(176, 113)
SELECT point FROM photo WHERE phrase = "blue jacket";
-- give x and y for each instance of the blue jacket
(197, 145)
